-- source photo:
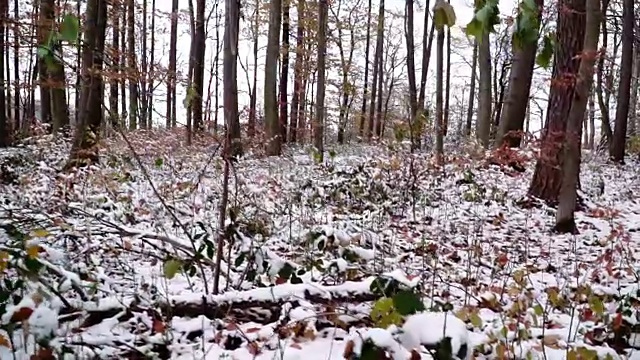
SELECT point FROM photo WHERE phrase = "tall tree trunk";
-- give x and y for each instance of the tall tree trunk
(633, 111)
(411, 69)
(377, 59)
(570, 32)
(151, 70)
(192, 63)
(318, 128)
(230, 74)
(115, 68)
(298, 89)
(284, 71)
(144, 69)
(171, 78)
(273, 133)
(4, 124)
(565, 221)
(447, 91)
(427, 42)
(472, 90)
(365, 94)
(518, 90)
(17, 94)
(483, 125)
(607, 133)
(44, 26)
(132, 66)
(56, 82)
(91, 96)
(624, 86)
(124, 58)
(381, 74)
(439, 101)
(592, 119)
(251, 126)
(200, 43)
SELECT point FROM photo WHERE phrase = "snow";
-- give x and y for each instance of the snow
(307, 244)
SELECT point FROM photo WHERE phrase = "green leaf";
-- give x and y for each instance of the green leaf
(159, 162)
(596, 305)
(444, 350)
(171, 268)
(407, 303)
(43, 51)
(486, 17)
(70, 28)
(476, 320)
(546, 53)
(286, 271)
(239, 260)
(443, 15)
(384, 313)
(538, 310)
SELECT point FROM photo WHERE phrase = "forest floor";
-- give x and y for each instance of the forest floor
(320, 261)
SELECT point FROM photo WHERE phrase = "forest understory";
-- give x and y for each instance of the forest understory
(359, 257)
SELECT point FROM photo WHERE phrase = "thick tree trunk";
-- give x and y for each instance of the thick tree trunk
(91, 94)
(483, 125)
(298, 89)
(439, 102)
(200, 43)
(377, 60)
(570, 32)
(230, 72)
(4, 124)
(517, 99)
(114, 84)
(284, 71)
(273, 133)
(624, 86)
(318, 128)
(565, 221)
(132, 66)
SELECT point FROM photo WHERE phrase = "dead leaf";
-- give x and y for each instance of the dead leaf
(4, 342)
(253, 348)
(43, 354)
(21, 315)
(348, 349)
(158, 326)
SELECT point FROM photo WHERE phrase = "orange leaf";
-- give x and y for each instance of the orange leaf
(4, 342)
(252, 330)
(21, 315)
(158, 326)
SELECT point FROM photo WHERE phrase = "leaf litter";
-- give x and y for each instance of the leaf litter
(374, 254)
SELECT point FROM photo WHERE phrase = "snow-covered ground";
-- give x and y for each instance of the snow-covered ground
(375, 254)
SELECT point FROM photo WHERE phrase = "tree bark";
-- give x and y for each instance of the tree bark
(91, 96)
(230, 72)
(284, 71)
(624, 86)
(570, 32)
(4, 124)
(200, 43)
(363, 109)
(565, 221)
(133, 72)
(517, 99)
(273, 133)
(483, 125)
(318, 131)
(171, 78)
(298, 88)
(472, 89)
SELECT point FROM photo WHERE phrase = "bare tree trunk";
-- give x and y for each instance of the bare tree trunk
(515, 106)
(144, 69)
(472, 90)
(115, 68)
(592, 120)
(230, 73)
(565, 221)
(91, 97)
(298, 89)
(284, 71)
(376, 69)
(56, 86)
(633, 110)
(624, 87)
(439, 101)
(447, 91)
(4, 124)
(171, 78)
(151, 72)
(251, 126)
(200, 43)
(483, 126)
(411, 69)
(273, 132)
(132, 67)
(363, 109)
(43, 75)
(318, 128)
(607, 133)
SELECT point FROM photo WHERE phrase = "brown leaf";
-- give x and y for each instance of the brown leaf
(4, 342)
(21, 315)
(43, 354)
(158, 326)
(348, 349)
(253, 348)
(252, 330)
